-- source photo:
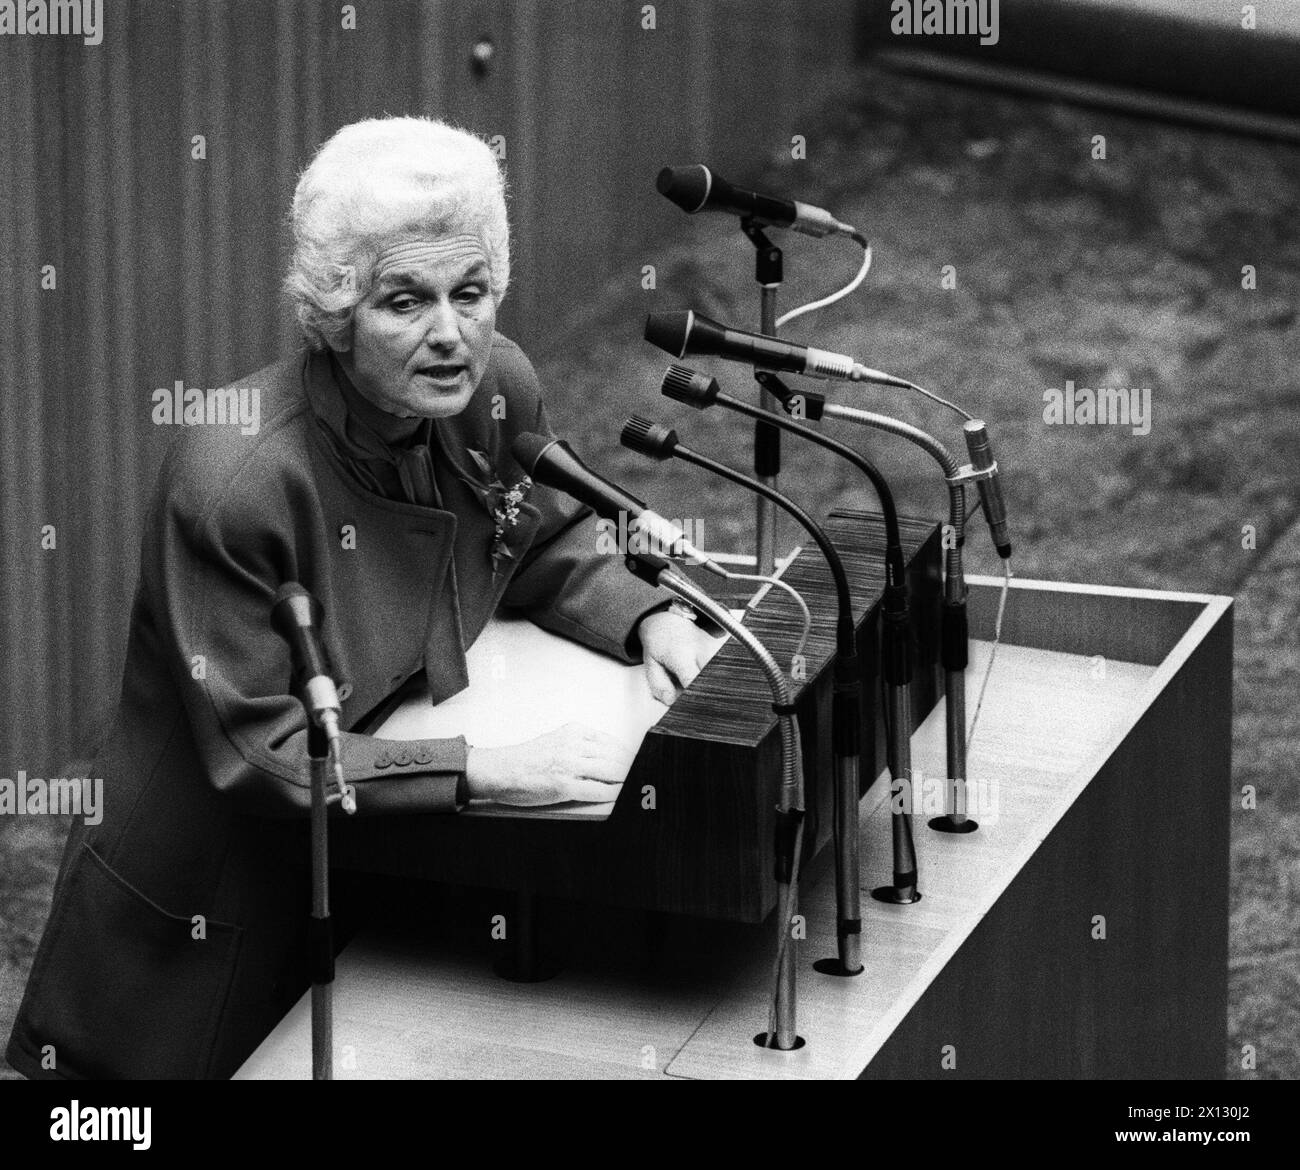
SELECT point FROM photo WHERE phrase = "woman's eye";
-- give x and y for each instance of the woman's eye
(471, 295)
(403, 303)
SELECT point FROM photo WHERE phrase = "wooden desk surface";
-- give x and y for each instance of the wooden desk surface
(429, 1008)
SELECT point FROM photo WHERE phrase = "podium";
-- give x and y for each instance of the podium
(1081, 932)
(692, 830)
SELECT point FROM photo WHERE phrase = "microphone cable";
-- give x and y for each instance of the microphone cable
(752, 607)
(813, 306)
(930, 394)
(997, 638)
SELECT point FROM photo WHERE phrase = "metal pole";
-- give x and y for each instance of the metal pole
(769, 272)
(765, 516)
(322, 942)
(904, 890)
(847, 874)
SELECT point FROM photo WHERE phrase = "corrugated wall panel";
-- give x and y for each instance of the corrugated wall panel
(170, 267)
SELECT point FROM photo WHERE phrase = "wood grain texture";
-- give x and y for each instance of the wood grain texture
(1111, 800)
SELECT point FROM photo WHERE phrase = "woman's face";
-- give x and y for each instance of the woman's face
(422, 337)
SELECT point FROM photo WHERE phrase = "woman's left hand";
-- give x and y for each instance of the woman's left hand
(674, 650)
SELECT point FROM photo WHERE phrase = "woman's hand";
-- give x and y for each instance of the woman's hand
(571, 763)
(674, 650)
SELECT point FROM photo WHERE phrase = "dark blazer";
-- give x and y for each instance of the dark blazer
(175, 941)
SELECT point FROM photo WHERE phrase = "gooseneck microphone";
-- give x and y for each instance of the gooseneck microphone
(697, 188)
(553, 462)
(686, 333)
(788, 845)
(659, 442)
(683, 384)
(954, 651)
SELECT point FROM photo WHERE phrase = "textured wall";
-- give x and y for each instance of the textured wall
(168, 267)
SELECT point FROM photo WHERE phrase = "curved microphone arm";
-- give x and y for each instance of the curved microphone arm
(956, 639)
(792, 796)
(955, 585)
(782, 1016)
(846, 636)
(895, 569)
(682, 384)
(659, 442)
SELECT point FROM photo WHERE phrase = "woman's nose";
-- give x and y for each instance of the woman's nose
(442, 326)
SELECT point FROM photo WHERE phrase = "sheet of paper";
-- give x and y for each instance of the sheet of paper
(525, 681)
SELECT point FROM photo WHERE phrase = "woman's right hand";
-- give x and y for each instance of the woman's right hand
(574, 762)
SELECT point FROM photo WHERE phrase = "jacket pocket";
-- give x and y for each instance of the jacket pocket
(121, 987)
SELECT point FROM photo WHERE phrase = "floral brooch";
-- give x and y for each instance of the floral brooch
(502, 504)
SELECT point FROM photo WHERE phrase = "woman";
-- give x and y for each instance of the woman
(381, 479)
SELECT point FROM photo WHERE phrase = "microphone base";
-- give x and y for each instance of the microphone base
(836, 967)
(761, 1041)
(953, 823)
(896, 895)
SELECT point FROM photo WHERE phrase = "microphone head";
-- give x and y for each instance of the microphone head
(688, 187)
(685, 333)
(528, 449)
(980, 448)
(297, 617)
(682, 384)
(293, 608)
(670, 331)
(648, 438)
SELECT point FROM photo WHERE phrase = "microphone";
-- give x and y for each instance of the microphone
(660, 442)
(696, 188)
(980, 448)
(682, 384)
(685, 333)
(296, 617)
(553, 462)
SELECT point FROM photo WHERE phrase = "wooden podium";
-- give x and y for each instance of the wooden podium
(1080, 932)
(704, 843)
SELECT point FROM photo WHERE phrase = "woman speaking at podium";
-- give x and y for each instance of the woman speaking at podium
(381, 479)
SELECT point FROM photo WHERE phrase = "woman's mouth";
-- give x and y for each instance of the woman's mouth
(444, 374)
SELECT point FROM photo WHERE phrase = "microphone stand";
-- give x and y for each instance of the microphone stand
(781, 1032)
(684, 385)
(846, 699)
(954, 632)
(296, 616)
(321, 940)
(769, 271)
(323, 766)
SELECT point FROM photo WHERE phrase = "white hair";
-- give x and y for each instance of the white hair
(377, 182)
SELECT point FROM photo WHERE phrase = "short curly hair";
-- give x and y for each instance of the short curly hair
(376, 182)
